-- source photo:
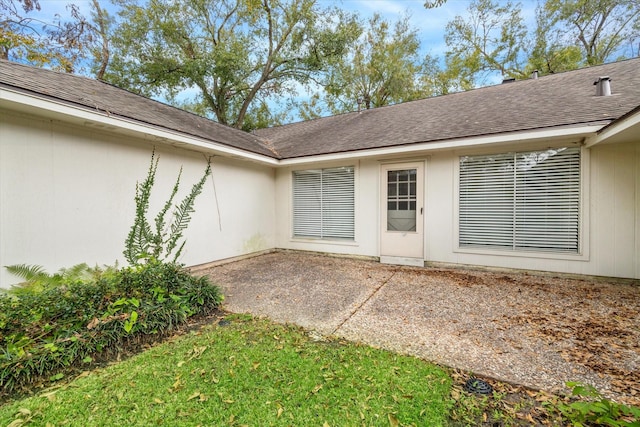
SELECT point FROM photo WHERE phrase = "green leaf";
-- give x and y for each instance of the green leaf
(182, 216)
(56, 377)
(28, 272)
(138, 240)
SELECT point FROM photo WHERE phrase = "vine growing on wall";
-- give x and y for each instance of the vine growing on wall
(160, 240)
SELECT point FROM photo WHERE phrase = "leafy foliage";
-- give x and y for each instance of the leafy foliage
(37, 279)
(62, 43)
(491, 39)
(248, 63)
(53, 321)
(237, 54)
(380, 68)
(550, 53)
(598, 28)
(569, 34)
(45, 330)
(144, 242)
(592, 409)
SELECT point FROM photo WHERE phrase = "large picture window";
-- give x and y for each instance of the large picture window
(521, 201)
(323, 203)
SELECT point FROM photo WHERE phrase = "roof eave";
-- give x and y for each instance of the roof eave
(576, 132)
(623, 129)
(100, 120)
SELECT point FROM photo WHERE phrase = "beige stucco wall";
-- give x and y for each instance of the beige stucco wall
(67, 196)
(611, 214)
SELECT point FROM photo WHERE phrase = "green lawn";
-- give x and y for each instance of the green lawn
(251, 372)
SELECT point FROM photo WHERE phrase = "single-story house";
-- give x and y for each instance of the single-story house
(538, 174)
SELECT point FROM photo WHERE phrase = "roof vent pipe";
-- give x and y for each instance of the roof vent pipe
(534, 75)
(603, 86)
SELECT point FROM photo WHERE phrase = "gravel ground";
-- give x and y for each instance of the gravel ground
(533, 330)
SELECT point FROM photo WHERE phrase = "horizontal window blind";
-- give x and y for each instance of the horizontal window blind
(323, 203)
(307, 203)
(521, 201)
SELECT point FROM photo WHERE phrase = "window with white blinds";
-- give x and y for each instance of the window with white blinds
(323, 203)
(521, 201)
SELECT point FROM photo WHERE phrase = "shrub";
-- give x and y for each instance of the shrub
(145, 242)
(592, 409)
(45, 330)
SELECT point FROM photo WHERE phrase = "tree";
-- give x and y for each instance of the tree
(100, 28)
(492, 39)
(232, 55)
(550, 52)
(19, 35)
(434, 3)
(62, 43)
(568, 34)
(438, 80)
(382, 67)
(600, 28)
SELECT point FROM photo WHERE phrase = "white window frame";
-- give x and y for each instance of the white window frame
(321, 210)
(582, 253)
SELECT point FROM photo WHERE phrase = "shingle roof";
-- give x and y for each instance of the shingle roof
(104, 98)
(555, 100)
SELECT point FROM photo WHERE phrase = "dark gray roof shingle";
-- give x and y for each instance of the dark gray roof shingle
(556, 100)
(104, 98)
(550, 101)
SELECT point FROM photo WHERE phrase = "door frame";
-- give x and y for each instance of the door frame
(388, 255)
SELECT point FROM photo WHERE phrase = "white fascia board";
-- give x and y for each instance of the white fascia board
(614, 130)
(147, 131)
(452, 144)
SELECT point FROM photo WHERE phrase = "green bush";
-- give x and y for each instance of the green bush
(592, 409)
(47, 329)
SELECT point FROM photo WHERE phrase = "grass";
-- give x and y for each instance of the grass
(251, 372)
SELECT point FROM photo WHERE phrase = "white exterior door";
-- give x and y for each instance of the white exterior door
(402, 223)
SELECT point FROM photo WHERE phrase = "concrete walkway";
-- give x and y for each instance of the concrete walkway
(512, 327)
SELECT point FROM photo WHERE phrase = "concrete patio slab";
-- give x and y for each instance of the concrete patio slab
(535, 330)
(294, 288)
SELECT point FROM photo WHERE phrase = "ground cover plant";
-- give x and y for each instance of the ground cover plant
(247, 372)
(50, 327)
(518, 406)
(590, 408)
